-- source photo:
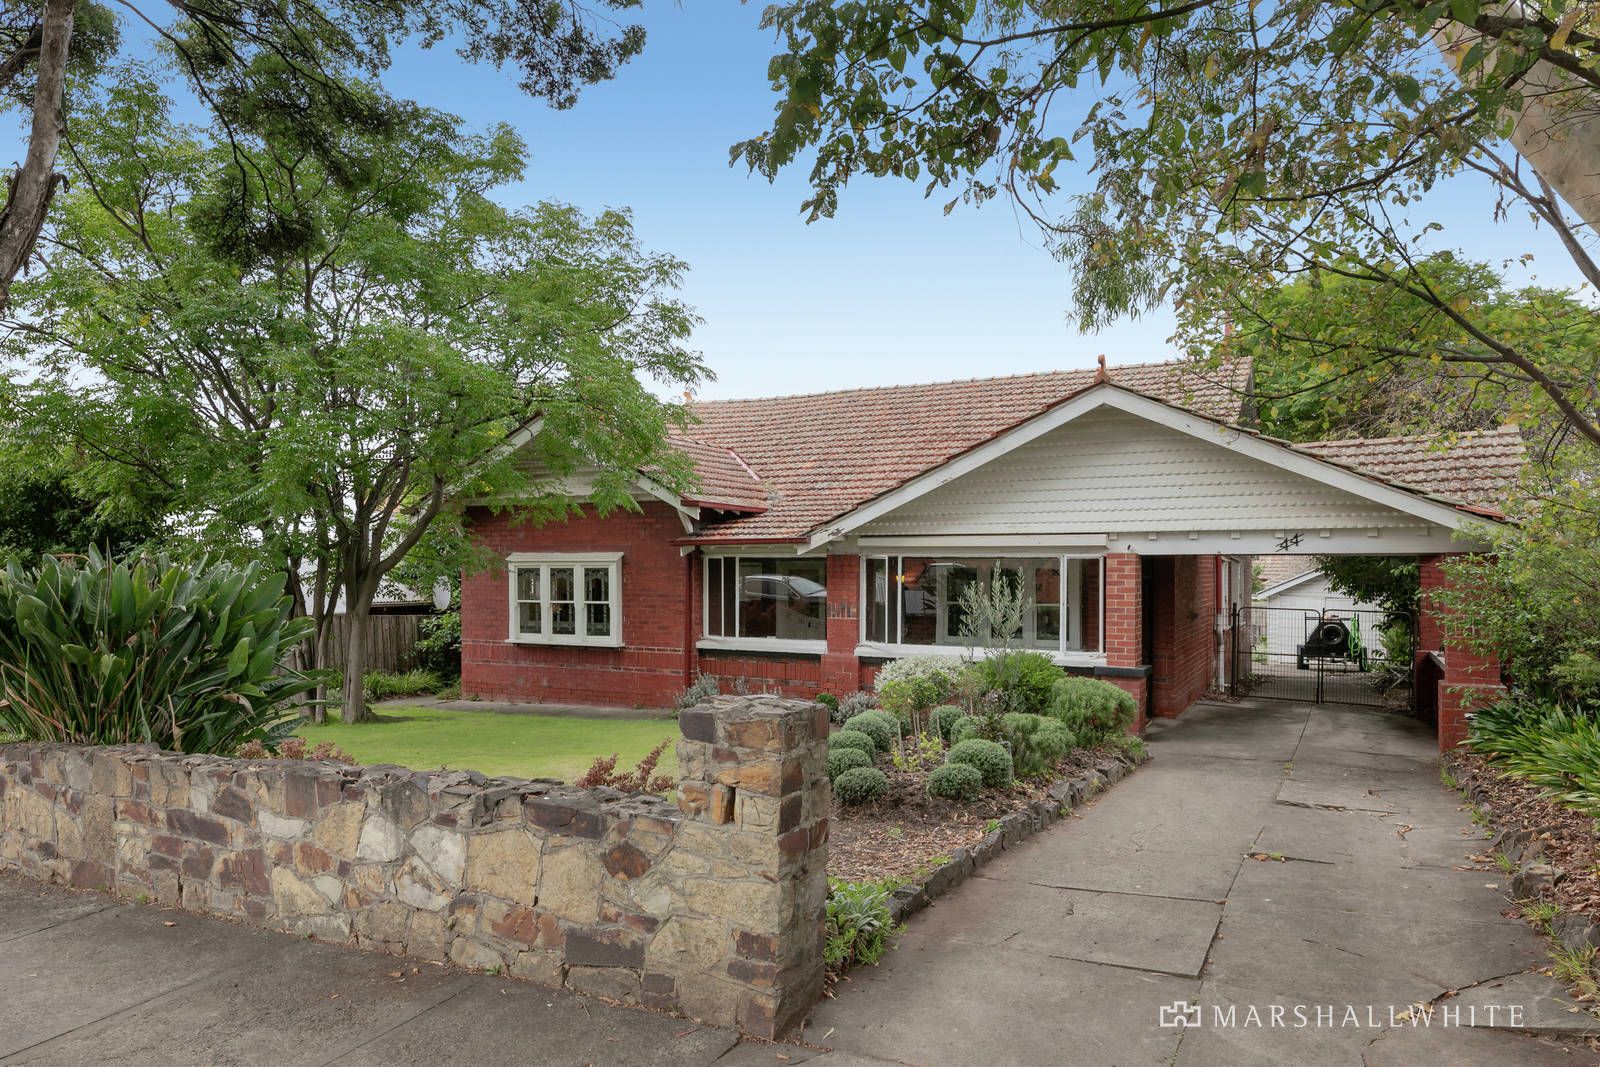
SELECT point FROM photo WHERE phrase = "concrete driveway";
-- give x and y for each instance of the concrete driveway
(1067, 949)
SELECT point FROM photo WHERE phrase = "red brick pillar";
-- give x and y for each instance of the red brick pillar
(1124, 629)
(1471, 679)
(841, 670)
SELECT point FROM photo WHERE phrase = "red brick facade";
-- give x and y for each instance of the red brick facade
(661, 624)
(1470, 680)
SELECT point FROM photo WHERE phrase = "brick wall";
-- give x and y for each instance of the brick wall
(1185, 637)
(713, 906)
(1124, 628)
(1470, 680)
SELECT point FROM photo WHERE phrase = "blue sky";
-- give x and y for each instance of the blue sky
(890, 290)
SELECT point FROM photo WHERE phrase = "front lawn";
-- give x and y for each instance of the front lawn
(526, 746)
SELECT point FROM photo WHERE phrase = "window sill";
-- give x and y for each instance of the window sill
(567, 642)
(762, 644)
(1060, 659)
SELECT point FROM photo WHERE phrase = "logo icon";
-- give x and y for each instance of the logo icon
(1179, 1014)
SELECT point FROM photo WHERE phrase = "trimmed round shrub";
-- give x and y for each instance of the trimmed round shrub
(1093, 710)
(860, 785)
(989, 757)
(963, 729)
(940, 672)
(1036, 742)
(851, 739)
(878, 725)
(956, 781)
(845, 759)
(944, 719)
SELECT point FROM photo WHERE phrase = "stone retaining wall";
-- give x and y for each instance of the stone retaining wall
(713, 906)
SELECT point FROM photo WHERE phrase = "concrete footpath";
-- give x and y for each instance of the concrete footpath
(1270, 855)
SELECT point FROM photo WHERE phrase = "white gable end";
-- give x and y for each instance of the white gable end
(1112, 472)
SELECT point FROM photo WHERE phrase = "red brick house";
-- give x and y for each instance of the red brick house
(832, 532)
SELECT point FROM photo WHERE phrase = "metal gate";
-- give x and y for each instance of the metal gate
(1328, 656)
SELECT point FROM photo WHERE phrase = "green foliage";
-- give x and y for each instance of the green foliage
(1209, 182)
(859, 927)
(844, 759)
(852, 739)
(851, 706)
(882, 727)
(907, 698)
(46, 511)
(916, 683)
(989, 757)
(1393, 583)
(829, 701)
(1023, 679)
(704, 687)
(966, 728)
(1554, 748)
(1091, 709)
(956, 781)
(860, 785)
(1127, 744)
(184, 656)
(1534, 601)
(1037, 742)
(438, 647)
(944, 719)
(381, 685)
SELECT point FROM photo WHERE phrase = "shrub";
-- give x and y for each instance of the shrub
(1093, 710)
(944, 719)
(1023, 679)
(186, 656)
(940, 672)
(438, 647)
(965, 729)
(1037, 742)
(642, 779)
(846, 759)
(853, 705)
(704, 688)
(1128, 744)
(878, 725)
(859, 927)
(908, 698)
(852, 739)
(860, 785)
(829, 701)
(381, 685)
(1551, 747)
(956, 781)
(989, 757)
(296, 748)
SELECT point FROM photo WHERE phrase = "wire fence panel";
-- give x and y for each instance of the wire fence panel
(1324, 656)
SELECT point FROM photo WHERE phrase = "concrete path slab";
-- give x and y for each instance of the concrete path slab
(1379, 910)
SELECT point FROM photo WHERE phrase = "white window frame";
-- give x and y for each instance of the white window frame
(1072, 608)
(543, 561)
(714, 642)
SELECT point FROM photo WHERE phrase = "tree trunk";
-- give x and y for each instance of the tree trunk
(35, 182)
(355, 660)
(1558, 129)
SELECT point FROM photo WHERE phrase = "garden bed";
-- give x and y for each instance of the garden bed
(906, 834)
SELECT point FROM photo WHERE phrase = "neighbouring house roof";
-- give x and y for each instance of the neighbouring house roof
(1274, 570)
(1475, 468)
(820, 455)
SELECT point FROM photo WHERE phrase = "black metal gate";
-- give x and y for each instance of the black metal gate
(1327, 656)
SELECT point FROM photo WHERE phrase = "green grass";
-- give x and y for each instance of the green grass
(526, 746)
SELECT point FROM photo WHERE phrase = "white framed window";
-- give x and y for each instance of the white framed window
(778, 603)
(566, 598)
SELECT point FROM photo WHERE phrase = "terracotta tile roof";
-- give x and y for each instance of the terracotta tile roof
(1274, 569)
(1473, 468)
(725, 483)
(820, 455)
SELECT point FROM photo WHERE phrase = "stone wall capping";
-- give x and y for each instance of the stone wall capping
(710, 904)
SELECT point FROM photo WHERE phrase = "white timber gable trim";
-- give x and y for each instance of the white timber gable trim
(1354, 509)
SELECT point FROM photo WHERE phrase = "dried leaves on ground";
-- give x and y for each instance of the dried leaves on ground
(1569, 837)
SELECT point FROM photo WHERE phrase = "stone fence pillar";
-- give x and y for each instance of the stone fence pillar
(755, 788)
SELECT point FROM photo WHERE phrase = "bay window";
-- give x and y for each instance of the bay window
(566, 598)
(763, 598)
(913, 600)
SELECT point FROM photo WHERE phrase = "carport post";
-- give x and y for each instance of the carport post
(1471, 680)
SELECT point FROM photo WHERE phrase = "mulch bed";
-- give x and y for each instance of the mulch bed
(906, 832)
(1569, 837)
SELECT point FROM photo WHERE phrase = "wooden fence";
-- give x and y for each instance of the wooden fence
(391, 642)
